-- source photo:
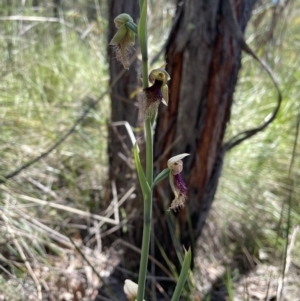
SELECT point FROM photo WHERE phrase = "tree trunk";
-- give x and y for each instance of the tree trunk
(123, 108)
(203, 60)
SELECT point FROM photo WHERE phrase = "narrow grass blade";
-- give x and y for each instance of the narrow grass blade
(170, 264)
(183, 275)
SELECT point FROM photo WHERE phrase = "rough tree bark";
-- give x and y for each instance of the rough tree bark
(203, 59)
(123, 108)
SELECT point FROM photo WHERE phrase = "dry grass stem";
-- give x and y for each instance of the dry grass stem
(23, 256)
(67, 208)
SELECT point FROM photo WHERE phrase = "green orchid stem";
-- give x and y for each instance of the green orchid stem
(147, 213)
(142, 35)
(149, 151)
(145, 247)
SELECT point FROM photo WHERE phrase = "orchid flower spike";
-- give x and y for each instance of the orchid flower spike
(178, 186)
(130, 290)
(123, 40)
(157, 93)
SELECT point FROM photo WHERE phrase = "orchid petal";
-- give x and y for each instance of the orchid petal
(159, 74)
(119, 36)
(163, 66)
(165, 93)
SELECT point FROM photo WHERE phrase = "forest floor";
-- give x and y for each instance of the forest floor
(243, 276)
(85, 274)
(47, 83)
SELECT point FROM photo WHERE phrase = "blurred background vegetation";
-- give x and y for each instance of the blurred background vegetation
(53, 67)
(256, 185)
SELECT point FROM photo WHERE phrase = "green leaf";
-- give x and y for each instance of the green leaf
(142, 179)
(161, 176)
(183, 275)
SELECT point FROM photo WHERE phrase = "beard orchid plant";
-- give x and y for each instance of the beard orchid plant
(152, 97)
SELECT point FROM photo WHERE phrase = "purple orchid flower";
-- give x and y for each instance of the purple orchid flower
(178, 186)
(157, 93)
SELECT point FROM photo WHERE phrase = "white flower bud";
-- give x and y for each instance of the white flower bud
(130, 290)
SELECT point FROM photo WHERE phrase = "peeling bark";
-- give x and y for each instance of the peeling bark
(203, 61)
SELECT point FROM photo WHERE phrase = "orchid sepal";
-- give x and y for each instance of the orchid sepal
(176, 158)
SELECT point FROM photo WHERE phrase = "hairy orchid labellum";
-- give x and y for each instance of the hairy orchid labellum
(178, 186)
(123, 40)
(157, 93)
